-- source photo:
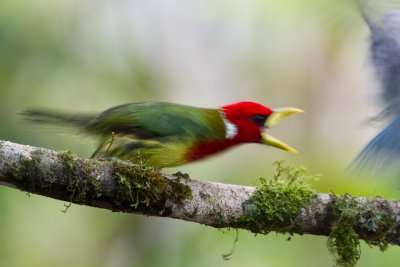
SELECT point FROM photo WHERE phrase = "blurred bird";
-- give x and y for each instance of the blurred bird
(381, 156)
(167, 134)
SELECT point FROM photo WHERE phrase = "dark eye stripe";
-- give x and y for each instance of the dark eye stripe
(259, 119)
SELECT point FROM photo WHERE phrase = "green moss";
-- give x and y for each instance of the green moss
(68, 159)
(343, 241)
(80, 183)
(372, 219)
(278, 201)
(142, 187)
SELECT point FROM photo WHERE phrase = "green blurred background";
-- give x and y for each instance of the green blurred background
(88, 55)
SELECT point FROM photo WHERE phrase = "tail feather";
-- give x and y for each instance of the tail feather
(49, 117)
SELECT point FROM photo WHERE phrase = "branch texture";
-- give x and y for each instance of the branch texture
(287, 207)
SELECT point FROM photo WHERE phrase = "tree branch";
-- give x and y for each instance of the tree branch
(290, 207)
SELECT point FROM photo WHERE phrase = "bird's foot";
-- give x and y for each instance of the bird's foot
(181, 175)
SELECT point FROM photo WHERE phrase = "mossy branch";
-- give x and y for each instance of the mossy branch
(284, 203)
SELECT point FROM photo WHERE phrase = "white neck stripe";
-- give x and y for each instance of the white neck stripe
(230, 128)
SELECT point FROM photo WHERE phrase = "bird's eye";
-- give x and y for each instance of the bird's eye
(259, 119)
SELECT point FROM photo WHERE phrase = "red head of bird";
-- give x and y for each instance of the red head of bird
(246, 123)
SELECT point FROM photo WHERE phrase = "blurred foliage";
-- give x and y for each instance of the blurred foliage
(90, 55)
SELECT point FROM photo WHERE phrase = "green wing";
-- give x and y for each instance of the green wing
(153, 120)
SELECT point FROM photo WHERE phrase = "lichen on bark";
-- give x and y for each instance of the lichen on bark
(372, 219)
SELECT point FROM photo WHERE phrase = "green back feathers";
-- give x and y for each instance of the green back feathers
(153, 120)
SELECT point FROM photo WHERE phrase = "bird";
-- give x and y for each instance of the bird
(166, 134)
(381, 156)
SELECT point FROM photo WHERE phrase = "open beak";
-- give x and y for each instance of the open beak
(276, 116)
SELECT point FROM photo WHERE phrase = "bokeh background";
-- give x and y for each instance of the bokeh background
(86, 56)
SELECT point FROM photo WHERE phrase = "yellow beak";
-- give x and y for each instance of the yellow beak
(276, 116)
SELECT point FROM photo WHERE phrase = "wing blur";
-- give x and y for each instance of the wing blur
(381, 156)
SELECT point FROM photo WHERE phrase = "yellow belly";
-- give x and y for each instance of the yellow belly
(168, 152)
